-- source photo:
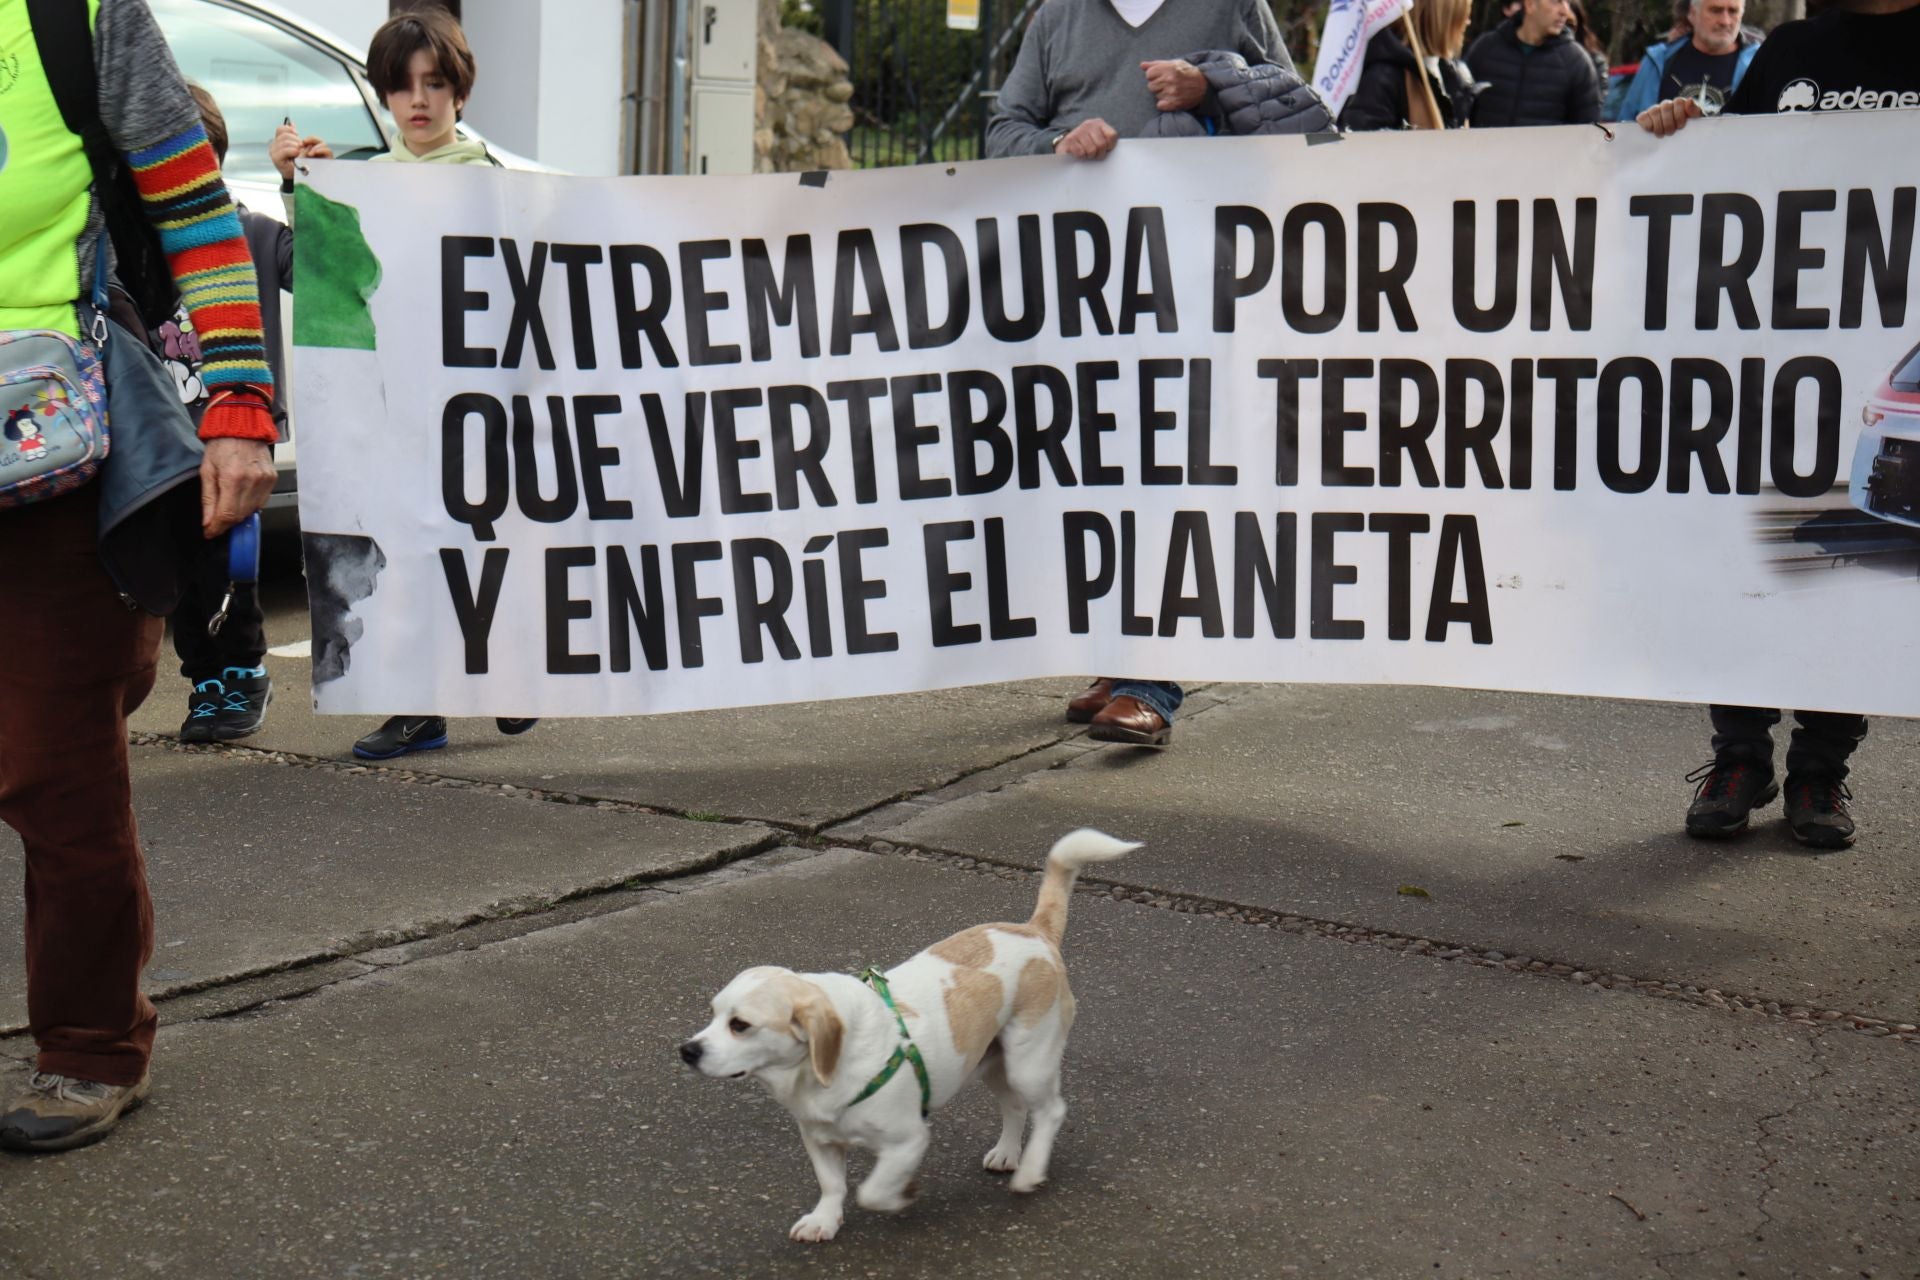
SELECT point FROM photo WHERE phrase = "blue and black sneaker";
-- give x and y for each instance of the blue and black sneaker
(401, 735)
(246, 691)
(203, 711)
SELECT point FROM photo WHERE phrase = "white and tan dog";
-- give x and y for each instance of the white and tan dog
(991, 1001)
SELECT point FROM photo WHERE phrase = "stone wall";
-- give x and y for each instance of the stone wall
(800, 105)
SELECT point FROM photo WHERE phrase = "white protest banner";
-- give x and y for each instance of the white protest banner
(1343, 44)
(1529, 410)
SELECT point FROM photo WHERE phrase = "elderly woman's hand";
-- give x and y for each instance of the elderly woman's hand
(236, 479)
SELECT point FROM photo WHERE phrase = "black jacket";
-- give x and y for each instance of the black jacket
(1379, 97)
(1551, 84)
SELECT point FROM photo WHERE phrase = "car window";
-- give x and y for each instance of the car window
(1906, 374)
(261, 75)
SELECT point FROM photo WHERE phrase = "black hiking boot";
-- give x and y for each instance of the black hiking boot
(1729, 792)
(1817, 810)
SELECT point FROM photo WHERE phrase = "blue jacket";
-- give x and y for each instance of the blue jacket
(1644, 92)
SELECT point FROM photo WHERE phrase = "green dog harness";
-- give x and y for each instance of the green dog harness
(907, 1051)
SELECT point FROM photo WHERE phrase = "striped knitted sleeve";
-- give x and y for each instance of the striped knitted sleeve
(155, 124)
(185, 200)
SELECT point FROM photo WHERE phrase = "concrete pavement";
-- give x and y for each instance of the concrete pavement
(420, 1020)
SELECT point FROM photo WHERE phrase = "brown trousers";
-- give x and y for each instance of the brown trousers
(74, 663)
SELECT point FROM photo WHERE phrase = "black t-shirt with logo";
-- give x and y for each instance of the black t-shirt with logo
(1705, 77)
(1837, 62)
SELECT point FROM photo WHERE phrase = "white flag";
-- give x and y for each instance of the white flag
(1343, 44)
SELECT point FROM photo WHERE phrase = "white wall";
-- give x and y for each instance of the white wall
(582, 65)
(506, 48)
(550, 79)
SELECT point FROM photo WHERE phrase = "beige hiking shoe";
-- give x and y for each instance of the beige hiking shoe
(58, 1113)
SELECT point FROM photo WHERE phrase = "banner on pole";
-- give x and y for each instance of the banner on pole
(1343, 44)
(1569, 414)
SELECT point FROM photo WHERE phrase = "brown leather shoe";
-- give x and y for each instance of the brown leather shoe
(57, 1113)
(1091, 701)
(1128, 719)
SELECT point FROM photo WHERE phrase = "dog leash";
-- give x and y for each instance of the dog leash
(907, 1051)
(243, 567)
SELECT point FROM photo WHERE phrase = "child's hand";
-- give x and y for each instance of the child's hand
(288, 146)
(284, 148)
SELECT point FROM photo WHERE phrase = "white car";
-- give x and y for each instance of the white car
(263, 65)
(1886, 462)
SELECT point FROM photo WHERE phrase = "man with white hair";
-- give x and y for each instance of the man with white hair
(1705, 65)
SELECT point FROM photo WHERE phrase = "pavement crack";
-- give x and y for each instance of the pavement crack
(496, 921)
(1731, 1002)
(409, 777)
(244, 1007)
(415, 777)
(1666, 1263)
(1068, 748)
(481, 934)
(1816, 1044)
(931, 794)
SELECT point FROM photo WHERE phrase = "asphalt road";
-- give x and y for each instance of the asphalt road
(1403, 982)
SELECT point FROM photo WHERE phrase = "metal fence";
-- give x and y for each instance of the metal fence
(922, 90)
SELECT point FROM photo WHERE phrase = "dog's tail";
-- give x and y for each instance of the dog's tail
(1071, 852)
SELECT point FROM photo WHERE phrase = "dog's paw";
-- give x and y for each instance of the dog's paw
(1002, 1159)
(814, 1228)
(881, 1201)
(1024, 1185)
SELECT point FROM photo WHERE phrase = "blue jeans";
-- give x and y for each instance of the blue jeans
(1162, 696)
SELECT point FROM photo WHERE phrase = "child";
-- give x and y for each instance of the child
(423, 71)
(231, 689)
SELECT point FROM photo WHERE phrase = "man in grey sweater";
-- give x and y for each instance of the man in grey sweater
(1091, 72)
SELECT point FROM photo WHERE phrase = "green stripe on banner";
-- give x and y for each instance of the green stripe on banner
(335, 274)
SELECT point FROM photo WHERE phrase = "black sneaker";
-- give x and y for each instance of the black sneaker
(1817, 811)
(246, 691)
(1729, 791)
(203, 711)
(512, 727)
(402, 734)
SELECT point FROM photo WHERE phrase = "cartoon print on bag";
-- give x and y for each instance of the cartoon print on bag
(179, 347)
(24, 430)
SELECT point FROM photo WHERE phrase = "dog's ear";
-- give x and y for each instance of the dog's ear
(814, 1014)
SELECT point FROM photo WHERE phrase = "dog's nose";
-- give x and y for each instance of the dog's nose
(690, 1053)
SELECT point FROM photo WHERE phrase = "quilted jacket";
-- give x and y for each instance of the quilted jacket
(1244, 100)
